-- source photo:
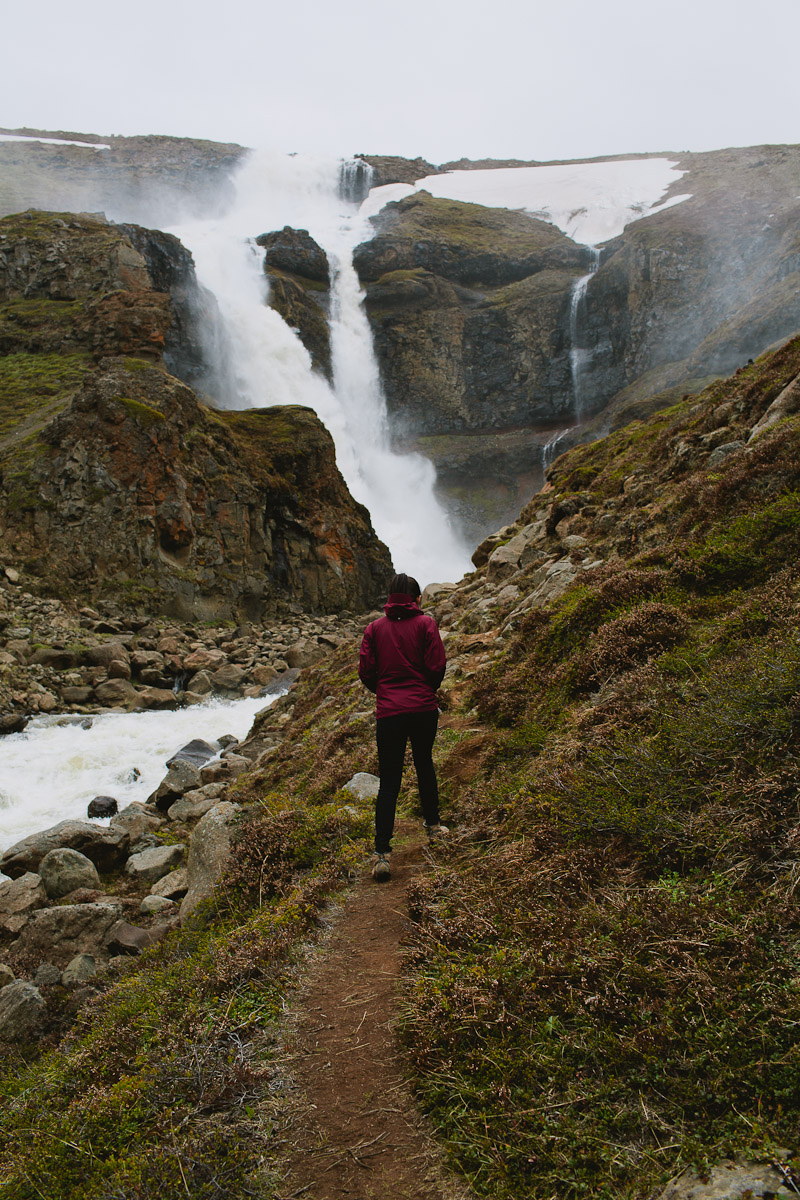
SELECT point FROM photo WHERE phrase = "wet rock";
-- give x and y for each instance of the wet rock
(195, 753)
(102, 806)
(13, 722)
(295, 251)
(21, 1010)
(362, 786)
(104, 847)
(63, 870)
(78, 970)
(209, 854)
(58, 934)
(154, 863)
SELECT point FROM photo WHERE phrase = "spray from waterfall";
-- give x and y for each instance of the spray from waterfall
(580, 356)
(269, 365)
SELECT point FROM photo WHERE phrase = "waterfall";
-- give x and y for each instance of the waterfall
(579, 356)
(550, 449)
(269, 364)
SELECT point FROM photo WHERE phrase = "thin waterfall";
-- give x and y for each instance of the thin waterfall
(579, 356)
(271, 366)
(550, 449)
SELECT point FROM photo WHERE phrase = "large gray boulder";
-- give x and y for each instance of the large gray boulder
(103, 846)
(63, 870)
(196, 752)
(18, 898)
(209, 854)
(154, 863)
(58, 934)
(21, 1010)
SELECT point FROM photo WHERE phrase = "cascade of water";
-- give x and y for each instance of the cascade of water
(271, 366)
(579, 356)
(550, 448)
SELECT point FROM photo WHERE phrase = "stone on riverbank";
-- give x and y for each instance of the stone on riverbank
(104, 847)
(64, 870)
(209, 852)
(58, 934)
(21, 1010)
(154, 863)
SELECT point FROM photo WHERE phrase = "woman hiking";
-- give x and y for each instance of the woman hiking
(402, 659)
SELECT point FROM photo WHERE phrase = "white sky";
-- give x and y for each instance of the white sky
(437, 78)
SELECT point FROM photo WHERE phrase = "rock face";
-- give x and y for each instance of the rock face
(470, 309)
(299, 289)
(475, 330)
(117, 481)
(153, 175)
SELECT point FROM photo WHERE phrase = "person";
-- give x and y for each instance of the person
(402, 660)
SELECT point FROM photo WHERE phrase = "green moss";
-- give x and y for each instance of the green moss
(33, 384)
(143, 413)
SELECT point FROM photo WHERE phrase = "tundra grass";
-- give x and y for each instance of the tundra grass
(170, 1083)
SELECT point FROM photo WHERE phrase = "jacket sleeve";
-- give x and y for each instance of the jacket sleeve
(435, 657)
(367, 662)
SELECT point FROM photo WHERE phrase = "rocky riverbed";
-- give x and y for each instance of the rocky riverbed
(55, 657)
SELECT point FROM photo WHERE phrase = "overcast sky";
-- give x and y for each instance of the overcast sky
(437, 78)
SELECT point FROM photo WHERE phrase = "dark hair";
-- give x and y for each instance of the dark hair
(405, 585)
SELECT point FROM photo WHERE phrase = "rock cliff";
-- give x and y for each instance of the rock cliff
(117, 482)
(161, 179)
(299, 289)
(473, 323)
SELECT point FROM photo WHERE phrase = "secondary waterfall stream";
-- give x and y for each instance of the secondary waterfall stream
(269, 364)
(579, 355)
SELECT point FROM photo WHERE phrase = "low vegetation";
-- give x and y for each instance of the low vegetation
(603, 966)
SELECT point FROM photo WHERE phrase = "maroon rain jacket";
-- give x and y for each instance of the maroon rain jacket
(402, 658)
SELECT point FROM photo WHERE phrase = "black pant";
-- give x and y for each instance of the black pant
(393, 733)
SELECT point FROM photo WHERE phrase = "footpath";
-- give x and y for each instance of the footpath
(356, 1132)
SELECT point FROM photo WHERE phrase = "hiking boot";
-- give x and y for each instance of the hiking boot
(381, 871)
(436, 832)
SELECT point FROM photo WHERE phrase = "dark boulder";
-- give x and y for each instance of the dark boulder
(102, 806)
(295, 251)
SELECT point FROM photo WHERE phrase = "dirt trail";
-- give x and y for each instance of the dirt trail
(358, 1133)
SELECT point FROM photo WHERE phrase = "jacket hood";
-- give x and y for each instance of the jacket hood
(399, 606)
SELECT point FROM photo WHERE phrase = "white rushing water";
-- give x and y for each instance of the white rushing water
(270, 365)
(579, 356)
(51, 771)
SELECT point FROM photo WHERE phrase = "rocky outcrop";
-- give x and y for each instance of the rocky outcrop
(470, 312)
(116, 481)
(153, 176)
(392, 168)
(299, 289)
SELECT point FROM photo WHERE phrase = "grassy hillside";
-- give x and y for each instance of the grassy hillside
(603, 981)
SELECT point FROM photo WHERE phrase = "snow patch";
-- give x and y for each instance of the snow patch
(22, 137)
(589, 202)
